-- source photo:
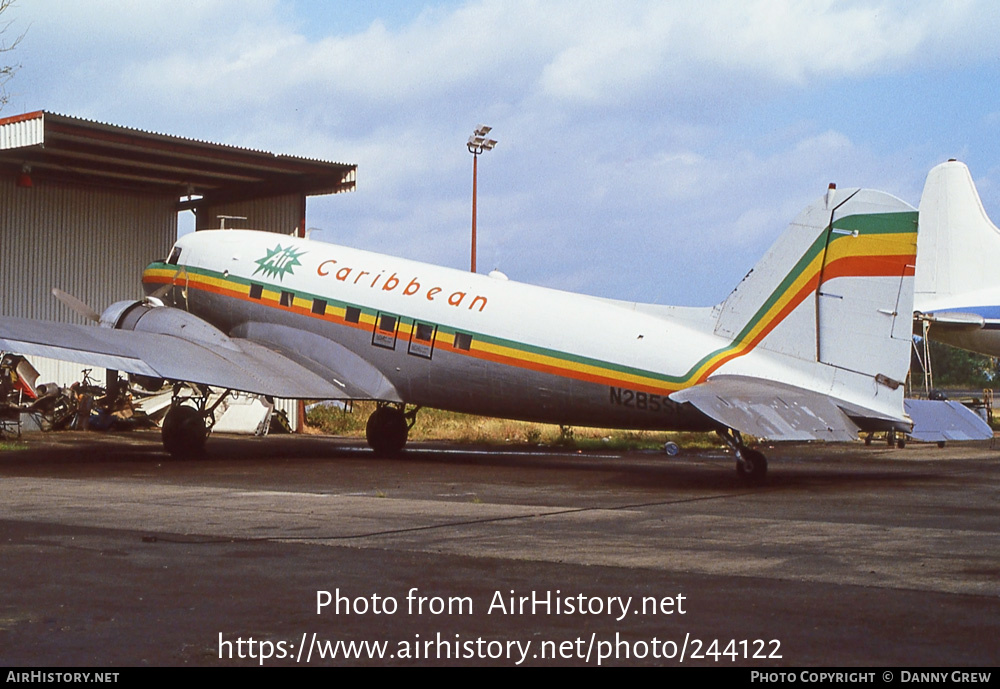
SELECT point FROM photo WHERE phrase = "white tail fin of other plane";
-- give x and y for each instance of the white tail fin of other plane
(959, 247)
(958, 267)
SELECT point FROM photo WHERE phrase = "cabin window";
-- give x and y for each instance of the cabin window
(175, 256)
(319, 306)
(387, 324)
(422, 340)
(256, 291)
(463, 341)
(287, 298)
(384, 334)
(424, 332)
(352, 314)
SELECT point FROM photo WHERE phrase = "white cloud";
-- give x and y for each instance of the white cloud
(592, 52)
(618, 122)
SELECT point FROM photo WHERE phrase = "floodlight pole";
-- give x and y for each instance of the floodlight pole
(475, 176)
(477, 144)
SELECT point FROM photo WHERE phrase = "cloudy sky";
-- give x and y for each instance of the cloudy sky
(647, 151)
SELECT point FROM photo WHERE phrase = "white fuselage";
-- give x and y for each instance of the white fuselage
(455, 340)
(449, 339)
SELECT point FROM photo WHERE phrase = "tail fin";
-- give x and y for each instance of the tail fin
(959, 248)
(826, 320)
(835, 289)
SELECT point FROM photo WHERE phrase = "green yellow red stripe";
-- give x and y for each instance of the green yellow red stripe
(868, 245)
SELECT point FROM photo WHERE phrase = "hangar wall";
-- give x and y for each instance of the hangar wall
(94, 243)
(85, 206)
(89, 241)
(281, 214)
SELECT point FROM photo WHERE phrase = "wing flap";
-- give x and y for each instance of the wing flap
(770, 410)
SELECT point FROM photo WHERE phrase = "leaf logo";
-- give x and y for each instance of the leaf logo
(279, 262)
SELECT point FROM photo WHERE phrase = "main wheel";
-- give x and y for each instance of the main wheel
(184, 432)
(386, 431)
(752, 466)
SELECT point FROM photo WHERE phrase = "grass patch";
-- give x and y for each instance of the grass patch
(8, 446)
(435, 424)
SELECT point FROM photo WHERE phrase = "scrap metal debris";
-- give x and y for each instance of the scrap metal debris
(120, 404)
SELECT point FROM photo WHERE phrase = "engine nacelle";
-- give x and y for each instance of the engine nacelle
(152, 317)
(113, 315)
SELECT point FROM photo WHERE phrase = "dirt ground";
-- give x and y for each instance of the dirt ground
(113, 555)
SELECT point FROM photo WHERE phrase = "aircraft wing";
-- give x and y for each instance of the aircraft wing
(770, 410)
(248, 366)
(963, 329)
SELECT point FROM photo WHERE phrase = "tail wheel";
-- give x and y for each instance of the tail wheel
(387, 430)
(184, 431)
(752, 465)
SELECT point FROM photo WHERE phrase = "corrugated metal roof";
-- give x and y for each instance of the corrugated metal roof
(73, 150)
(21, 131)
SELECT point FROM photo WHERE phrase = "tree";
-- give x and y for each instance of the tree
(958, 368)
(6, 70)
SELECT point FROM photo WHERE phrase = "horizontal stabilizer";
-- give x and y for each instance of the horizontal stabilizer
(769, 410)
(956, 319)
(936, 421)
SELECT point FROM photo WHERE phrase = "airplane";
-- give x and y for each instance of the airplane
(957, 288)
(812, 344)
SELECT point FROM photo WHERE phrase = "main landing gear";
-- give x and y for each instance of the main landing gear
(388, 427)
(189, 421)
(751, 465)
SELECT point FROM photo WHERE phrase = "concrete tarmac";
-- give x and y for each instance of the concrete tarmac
(112, 554)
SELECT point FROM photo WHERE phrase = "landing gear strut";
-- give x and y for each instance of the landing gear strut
(388, 427)
(751, 465)
(189, 421)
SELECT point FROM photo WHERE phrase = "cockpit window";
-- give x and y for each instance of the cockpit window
(174, 256)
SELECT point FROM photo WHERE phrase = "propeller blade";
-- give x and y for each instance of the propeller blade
(76, 305)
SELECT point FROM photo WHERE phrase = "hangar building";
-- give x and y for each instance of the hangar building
(85, 206)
